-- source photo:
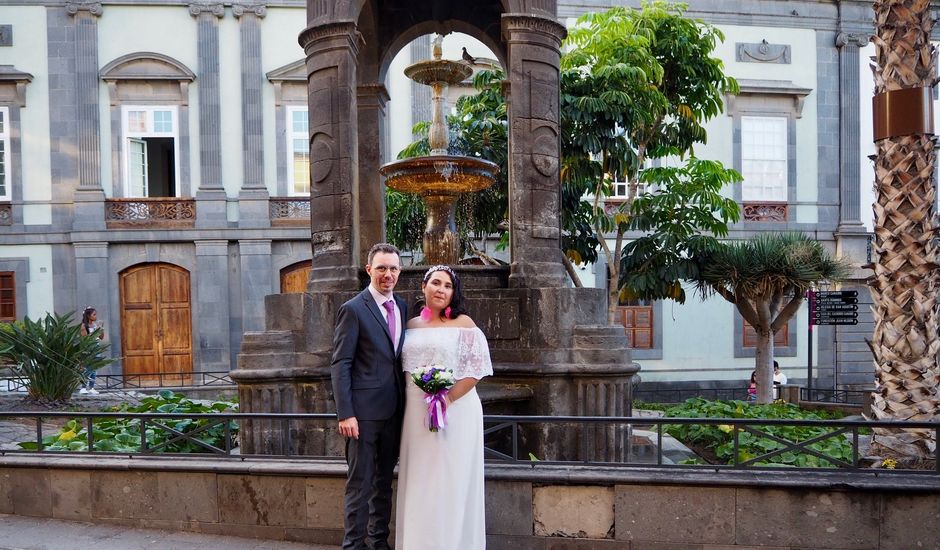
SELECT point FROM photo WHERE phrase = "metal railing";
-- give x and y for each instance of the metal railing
(531, 440)
(845, 397)
(141, 381)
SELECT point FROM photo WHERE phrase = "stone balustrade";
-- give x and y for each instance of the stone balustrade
(150, 212)
(289, 211)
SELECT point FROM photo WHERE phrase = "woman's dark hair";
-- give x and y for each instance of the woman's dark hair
(86, 316)
(457, 305)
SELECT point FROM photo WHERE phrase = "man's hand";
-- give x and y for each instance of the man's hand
(349, 427)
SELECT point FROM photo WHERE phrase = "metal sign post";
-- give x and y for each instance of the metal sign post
(829, 307)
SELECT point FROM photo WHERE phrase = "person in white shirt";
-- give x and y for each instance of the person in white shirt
(779, 379)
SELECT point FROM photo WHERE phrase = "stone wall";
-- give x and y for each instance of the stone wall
(543, 508)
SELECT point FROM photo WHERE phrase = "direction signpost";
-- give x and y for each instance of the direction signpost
(829, 307)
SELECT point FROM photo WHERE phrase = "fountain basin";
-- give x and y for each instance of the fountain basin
(439, 175)
(438, 71)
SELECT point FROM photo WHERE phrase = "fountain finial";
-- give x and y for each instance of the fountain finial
(436, 46)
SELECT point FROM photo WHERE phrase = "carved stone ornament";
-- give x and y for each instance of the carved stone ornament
(216, 8)
(859, 40)
(763, 52)
(259, 10)
(516, 22)
(73, 7)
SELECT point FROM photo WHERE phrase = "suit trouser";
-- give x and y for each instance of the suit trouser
(371, 460)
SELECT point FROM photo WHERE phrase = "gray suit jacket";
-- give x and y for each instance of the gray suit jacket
(366, 369)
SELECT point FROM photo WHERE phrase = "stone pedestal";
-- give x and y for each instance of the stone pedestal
(549, 358)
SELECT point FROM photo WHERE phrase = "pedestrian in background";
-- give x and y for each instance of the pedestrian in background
(91, 325)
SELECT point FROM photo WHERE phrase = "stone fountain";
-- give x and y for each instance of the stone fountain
(439, 178)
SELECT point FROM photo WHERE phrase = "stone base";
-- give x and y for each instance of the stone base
(552, 353)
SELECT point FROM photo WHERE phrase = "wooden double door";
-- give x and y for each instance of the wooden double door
(156, 325)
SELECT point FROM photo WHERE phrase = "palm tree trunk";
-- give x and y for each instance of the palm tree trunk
(906, 281)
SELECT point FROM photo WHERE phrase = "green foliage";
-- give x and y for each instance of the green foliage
(639, 84)
(720, 438)
(685, 202)
(768, 264)
(121, 435)
(51, 354)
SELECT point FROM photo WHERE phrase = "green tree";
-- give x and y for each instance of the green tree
(639, 85)
(766, 277)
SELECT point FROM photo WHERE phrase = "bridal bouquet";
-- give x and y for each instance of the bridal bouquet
(434, 381)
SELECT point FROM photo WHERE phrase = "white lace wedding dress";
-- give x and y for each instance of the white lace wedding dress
(440, 474)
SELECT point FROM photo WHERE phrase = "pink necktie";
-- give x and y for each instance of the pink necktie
(390, 308)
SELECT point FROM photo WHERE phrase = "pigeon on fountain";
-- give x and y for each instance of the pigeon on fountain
(468, 58)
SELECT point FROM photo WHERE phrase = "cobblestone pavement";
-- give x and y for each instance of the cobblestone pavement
(22, 533)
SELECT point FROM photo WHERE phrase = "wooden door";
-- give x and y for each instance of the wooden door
(156, 324)
(294, 277)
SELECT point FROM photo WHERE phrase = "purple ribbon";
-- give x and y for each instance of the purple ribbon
(437, 409)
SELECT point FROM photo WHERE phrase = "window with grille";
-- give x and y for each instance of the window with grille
(4, 154)
(749, 338)
(150, 151)
(637, 322)
(7, 296)
(298, 152)
(764, 159)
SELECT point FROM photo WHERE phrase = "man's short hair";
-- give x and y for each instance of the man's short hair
(385, 248)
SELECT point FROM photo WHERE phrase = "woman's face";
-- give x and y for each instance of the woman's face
(438, 290)
(93, 315)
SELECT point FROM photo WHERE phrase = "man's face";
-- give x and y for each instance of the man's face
(384, 271)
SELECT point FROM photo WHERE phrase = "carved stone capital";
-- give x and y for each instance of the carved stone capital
(215, 8)
(520, 22)
(852, 39)
(318, 33)
(72, 7)
(258, 9)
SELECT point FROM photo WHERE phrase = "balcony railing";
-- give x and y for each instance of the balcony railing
(6, 213)
(290, 211)
(150, 212)
(765, 212)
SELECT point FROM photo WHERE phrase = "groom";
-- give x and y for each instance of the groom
(369, 392)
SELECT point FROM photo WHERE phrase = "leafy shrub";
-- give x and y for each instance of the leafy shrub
(51, 354)
(123, 434)
(720, 438)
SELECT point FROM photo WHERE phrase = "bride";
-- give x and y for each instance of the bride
(440, 474)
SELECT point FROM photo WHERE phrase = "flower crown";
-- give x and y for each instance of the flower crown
(440, 267)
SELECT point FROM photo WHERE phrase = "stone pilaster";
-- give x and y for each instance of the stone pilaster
(255, 269)
(211, 207)
(851, 235)
(91, 268)
(89, 196)
(212, 306)
(534, 150)
(253, 197)
(372, 100)
(332, 50)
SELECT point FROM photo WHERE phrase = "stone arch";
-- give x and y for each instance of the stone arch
(427, 27)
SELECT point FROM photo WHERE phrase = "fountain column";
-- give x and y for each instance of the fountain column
(332, 50)
(535, 149)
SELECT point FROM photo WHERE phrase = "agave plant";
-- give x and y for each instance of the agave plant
(52, 355)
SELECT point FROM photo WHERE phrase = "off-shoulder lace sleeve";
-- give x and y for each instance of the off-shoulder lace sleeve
(473, 355)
